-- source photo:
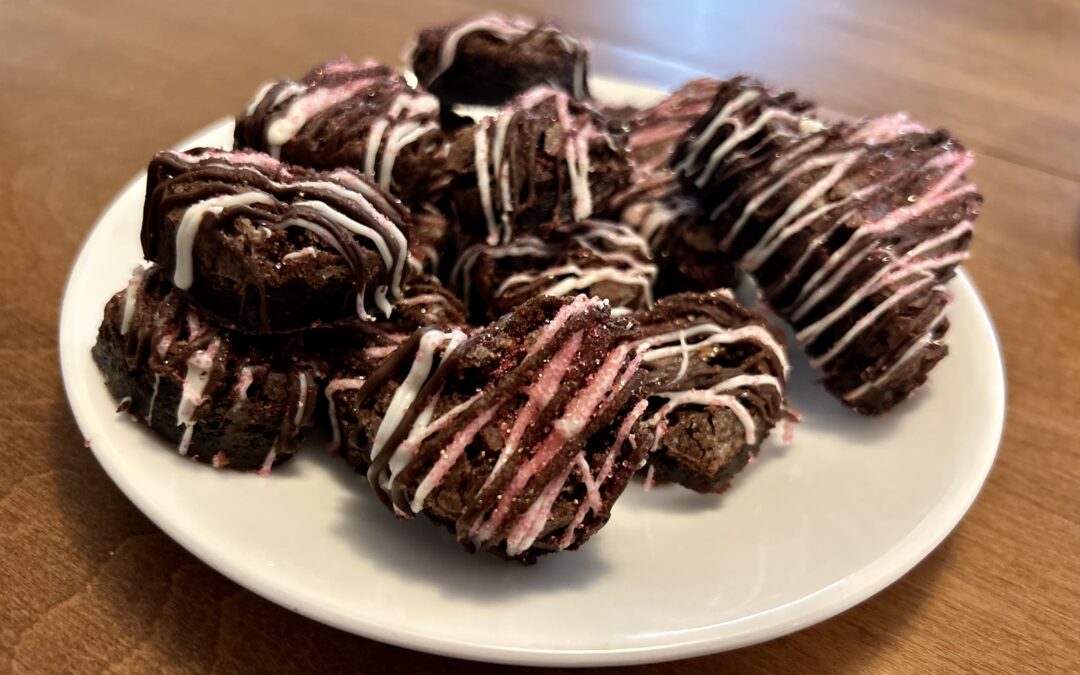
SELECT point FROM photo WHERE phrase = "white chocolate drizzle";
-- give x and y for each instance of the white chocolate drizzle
(186, 232)
(131, 297)
(431, 342)
(196, 377)
(268, 462)
(493, 172)
(301, 399)
(153, 398)
(391, 243)
(332, 388)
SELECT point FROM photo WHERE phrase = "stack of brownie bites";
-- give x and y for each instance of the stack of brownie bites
(499, 319)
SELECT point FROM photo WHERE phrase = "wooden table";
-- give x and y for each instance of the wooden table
(90, 90)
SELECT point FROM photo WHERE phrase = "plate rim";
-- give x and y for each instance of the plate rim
(857, 587)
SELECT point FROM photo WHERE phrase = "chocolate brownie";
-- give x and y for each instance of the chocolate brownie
(687, 256)
(363, 116)
(652, 136)
(850, 231)
(265, 247)
(517, 438)
(742, 132)
(490, 59)
(430, 245)
(360, 346)
(544, 157)
(426, 302)
(716, 378)
(656, 205)
(599, 258)
(353, 351)
(656, 130)
(220, 397)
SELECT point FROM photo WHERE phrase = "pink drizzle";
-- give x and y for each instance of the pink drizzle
(605, 470)
(449, 457)
(577, 414)
(339, 384)
(539, 393)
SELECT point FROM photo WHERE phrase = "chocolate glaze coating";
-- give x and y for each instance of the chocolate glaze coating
(487, 60)
(248, 399)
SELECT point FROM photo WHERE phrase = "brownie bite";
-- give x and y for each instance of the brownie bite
(426, 302)
(746, 126)
(716, 375)
(655, 204)
(599, 258)
(431, 243)
(850, 232)
(655, 131)
(264, 247)
(489, 59)
(516, 438)
(363, 116)
(687, 255)
(221, 398)
(353, 351)
(543, 158)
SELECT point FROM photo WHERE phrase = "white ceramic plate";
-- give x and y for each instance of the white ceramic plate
(806, 532)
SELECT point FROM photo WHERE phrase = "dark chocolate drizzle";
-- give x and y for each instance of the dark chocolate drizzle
(180, 180)
(339, 135)
(566, 252)
(888, 171)
(534, 165)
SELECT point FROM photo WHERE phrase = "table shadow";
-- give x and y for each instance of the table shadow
(427, 553)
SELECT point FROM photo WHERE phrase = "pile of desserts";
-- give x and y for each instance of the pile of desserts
(499, 319)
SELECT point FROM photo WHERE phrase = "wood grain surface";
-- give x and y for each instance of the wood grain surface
(90, 90)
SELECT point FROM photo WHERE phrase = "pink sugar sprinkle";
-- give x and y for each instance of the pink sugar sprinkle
(592, 490)
(450, 456)
(195, 326)
(538, 394)
(574, 418)
(621, 437)
(529, 526)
